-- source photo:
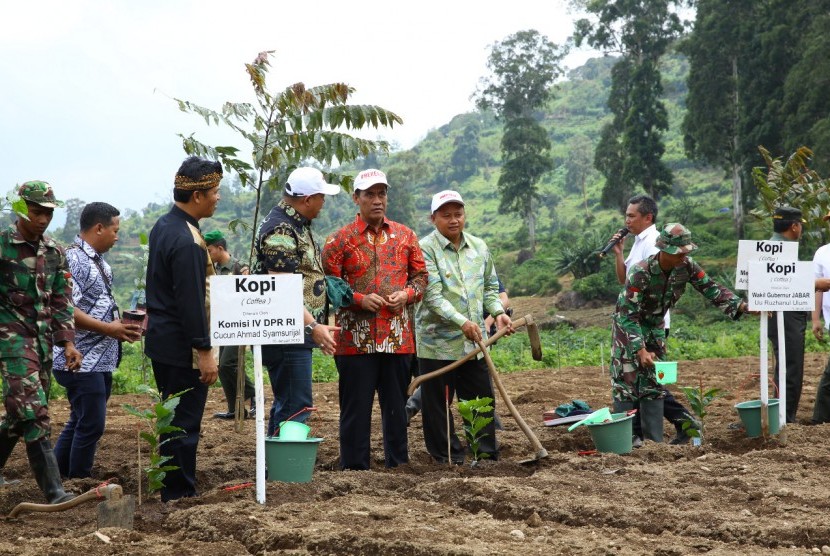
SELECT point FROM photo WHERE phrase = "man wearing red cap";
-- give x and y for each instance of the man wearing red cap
(382, 263)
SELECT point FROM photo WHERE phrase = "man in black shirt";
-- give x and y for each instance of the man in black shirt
(178, 340)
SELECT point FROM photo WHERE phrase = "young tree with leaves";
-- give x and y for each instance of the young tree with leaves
(523, 68)
(287, 128)
(630, 152)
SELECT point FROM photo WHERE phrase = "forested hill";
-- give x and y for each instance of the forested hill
(464, 154)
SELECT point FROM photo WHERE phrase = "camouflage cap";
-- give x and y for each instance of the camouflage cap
(213, 237)
(675, 239)
(39, 193)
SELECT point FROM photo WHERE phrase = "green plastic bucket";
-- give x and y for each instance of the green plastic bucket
(666, 372)
(750, 414)
(290, 461)
(613, 436)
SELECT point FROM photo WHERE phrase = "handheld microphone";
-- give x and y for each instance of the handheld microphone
(623, 232)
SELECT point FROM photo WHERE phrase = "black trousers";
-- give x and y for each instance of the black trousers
(468, 381)
(171, 379)
(795, 325)
(360, 376)
(228, 359)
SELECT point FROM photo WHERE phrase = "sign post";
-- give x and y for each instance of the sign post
(779, 286)
(256, 310)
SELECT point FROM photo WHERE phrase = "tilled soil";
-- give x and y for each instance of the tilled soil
(733, 495)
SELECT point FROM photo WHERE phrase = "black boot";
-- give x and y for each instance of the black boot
(651, 419)
(7, 444)
(45, 469)
(636, 437)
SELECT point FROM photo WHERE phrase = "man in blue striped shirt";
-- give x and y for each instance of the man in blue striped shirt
(99, 332)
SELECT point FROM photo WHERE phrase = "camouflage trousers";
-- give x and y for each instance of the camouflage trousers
(644, 385)
(25, 398)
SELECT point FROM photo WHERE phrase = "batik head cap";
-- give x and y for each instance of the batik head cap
(675, 239)
(213, 237)
(198, 174)
(39, 193)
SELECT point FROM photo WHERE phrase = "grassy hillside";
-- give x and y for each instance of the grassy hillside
(566, 227)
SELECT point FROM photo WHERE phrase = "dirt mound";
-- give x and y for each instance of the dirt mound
(733, 495)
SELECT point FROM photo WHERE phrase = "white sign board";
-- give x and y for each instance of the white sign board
(781, 286)
(256, 309)
(765, 251)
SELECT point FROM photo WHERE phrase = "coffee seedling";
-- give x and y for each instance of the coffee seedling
(474, 414)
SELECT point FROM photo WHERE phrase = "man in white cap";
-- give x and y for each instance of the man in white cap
(285, 245)
(450, 320)
(382, 263)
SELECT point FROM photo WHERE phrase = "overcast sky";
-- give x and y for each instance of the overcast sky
(86, 87)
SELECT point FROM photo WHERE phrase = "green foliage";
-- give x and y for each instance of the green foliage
(534, 277)
(602, 286)
(793, 182)
(699, 399)
(287, 128)
(630, 150)
(523, 69)
(13, 204)
(580, 257)
(157, 421)
(473, 412)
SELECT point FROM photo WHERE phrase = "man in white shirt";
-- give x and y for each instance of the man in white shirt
(821, 264)
(640, 218)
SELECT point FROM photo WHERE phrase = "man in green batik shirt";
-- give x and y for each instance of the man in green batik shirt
(35, 313)
(652, 287)
(462, 286)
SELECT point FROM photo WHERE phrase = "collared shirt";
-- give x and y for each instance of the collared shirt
(92, 294)
(178, 294)
(35, 294)
(462, 285)
(649, 293)
(644, 245)
(821, 267)
(230, 267)
(380, 262)
(285, 244)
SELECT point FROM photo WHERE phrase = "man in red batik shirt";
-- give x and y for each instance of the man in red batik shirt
(382, 262)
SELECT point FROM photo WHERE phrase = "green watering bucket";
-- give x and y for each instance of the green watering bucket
(750, 414)
(290, 461)
(666, 372)
(613, 436)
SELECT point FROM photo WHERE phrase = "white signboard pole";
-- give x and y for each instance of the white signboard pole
(764, 364)
(260, 425)
(782, 370)
(256, 310)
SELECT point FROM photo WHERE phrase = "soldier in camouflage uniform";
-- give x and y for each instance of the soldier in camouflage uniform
(224, 264)
(35, 313)
(652, 287)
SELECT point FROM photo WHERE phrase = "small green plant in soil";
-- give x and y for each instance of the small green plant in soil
(157, 421)
(699, 399)
(474, 414)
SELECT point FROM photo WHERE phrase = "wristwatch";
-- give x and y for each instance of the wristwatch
(310, 326)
